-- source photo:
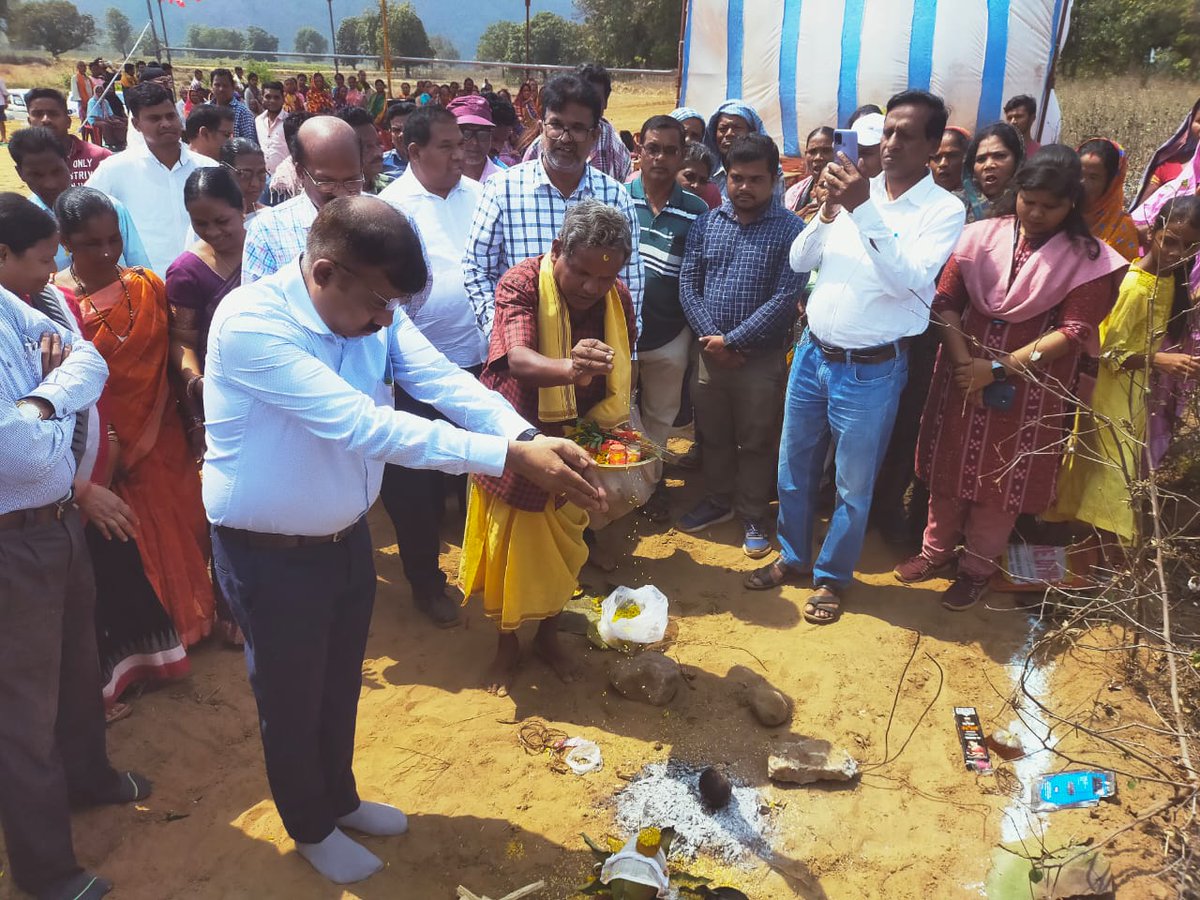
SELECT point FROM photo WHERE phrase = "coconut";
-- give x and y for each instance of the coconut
(715, 788)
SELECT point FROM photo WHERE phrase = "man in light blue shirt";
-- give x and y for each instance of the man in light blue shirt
(298, 403)
(52, 741)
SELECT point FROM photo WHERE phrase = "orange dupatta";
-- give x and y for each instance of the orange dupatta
(159, 479)
(1107, 218)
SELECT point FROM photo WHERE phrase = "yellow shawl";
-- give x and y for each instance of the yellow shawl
(557, 404)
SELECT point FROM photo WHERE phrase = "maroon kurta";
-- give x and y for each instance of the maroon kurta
(1007, 459)
(515, 325)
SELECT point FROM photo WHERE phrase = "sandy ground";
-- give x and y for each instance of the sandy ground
(485, 814)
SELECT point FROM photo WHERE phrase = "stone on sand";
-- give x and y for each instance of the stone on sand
(770, 706)
(649, 677)
(804, 760)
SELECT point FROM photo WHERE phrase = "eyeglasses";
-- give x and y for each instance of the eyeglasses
(478, 135)
(349, 186)
(384, 303)
(246, 173)
(555, 130)
(660, 150)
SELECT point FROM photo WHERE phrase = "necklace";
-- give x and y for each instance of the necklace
(121, 338)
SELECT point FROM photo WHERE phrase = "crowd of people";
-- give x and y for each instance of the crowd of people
(232, 320)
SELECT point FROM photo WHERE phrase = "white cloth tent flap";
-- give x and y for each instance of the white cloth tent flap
(805, 63)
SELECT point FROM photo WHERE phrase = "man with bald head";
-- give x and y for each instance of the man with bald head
(328, 159)
(298, 386)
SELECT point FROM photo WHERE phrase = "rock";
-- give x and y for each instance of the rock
(649, 677)
(771, 707)
(806, 759)
(715, 788)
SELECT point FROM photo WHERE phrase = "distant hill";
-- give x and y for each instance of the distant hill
(462, 21)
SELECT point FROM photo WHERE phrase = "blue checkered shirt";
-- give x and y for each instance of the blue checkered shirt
(275, 236)
(519, 216)
(243, 120)
(737, 281)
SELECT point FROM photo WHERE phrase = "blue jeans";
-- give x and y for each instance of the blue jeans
(855, 404)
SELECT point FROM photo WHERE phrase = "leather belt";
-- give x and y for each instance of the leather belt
(42, 515)
(865, 355)
(265, 541)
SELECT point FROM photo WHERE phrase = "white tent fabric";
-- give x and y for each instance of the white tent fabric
(804, 63)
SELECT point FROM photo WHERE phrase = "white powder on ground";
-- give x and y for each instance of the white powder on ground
(667, 794)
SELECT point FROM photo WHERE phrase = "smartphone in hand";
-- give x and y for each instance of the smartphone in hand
(845, 140)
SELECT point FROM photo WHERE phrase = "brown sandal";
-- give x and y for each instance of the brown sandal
(773, 575)
(823, 600)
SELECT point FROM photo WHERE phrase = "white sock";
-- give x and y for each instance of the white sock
(376, 818)
(340, 859)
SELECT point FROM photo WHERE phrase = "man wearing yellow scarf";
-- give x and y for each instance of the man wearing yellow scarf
(560, 351)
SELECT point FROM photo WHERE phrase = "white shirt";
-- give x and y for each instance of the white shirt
(446, 318)
(300, 420)
(270, 138)
(878, 264)
(153, 194)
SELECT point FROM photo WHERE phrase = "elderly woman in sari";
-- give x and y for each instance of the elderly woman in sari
(125, 317)
(947, 164)
(560, 351)
(993, 158)
(1019, 302)
(804, 198)
(1104, 165)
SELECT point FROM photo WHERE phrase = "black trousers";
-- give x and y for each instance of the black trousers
(305, 613)
(52, 743)
(896, 471)
(415, 500)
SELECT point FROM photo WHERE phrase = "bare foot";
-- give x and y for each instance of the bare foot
(499, 675)
(546, 645)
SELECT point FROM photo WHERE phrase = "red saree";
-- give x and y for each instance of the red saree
(157, 476)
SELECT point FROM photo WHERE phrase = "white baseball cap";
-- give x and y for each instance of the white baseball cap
(869, 129)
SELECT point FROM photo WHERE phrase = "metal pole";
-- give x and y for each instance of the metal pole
(333, 38)
(166, 40)
(1062, 21)
(154, 32)
(683, 18)
(527, 40)
(387, 53)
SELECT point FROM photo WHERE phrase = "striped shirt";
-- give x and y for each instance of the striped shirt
(662, 242)
(519, 216)
(276, 236)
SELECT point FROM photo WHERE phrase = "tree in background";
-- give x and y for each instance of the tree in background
(261, 40)
(406, 31)
(217, 42)
(643, 34)
(1115, 36)
(352, 40)
(53, 25)
(443, 47)
(553, 40)
(309, 40)
(120, 32)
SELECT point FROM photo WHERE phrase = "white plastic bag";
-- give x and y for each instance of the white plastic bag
(647, 627)
(582, 755)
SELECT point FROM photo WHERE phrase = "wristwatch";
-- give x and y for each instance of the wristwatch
(528, 434)
(999, 373)
(29, 410)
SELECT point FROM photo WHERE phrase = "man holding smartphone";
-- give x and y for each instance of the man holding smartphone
(879, 244)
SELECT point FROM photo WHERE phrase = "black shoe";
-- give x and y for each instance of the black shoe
(126, 787)
(440, 607)
(657, 508)
(84, 886)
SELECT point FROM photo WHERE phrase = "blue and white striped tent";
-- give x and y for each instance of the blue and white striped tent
(804, 63)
